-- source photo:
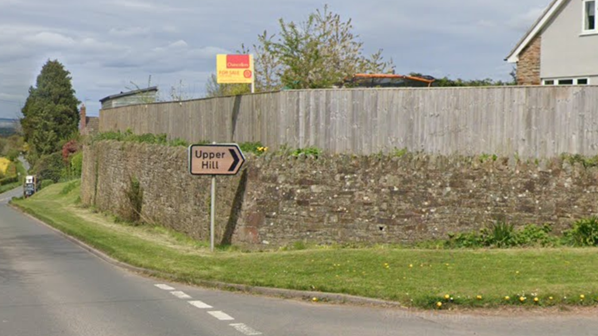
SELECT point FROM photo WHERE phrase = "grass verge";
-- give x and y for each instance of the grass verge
(417, 278)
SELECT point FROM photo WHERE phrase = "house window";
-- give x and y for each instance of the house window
(589, 14)
(566, 81)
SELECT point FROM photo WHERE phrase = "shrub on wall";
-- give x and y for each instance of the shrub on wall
(134, 195)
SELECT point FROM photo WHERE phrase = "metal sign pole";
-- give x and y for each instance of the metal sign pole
(213, 211)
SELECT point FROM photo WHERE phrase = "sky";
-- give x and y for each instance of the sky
(110, 46)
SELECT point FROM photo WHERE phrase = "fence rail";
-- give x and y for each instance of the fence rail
(530, 121)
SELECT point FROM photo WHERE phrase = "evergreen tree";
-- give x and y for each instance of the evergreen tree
(50, 113)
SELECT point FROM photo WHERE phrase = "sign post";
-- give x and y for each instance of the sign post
(235, 69)
(215, 160)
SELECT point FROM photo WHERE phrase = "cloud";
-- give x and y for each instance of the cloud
(524, 21)
(129, 31)
(106, 44)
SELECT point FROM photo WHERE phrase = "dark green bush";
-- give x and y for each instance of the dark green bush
(504, 235)
(49, 167)
(135, 196)
(584, 233)
(536, 236)
(501, 235)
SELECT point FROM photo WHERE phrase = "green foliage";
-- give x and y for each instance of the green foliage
(8, 180)
(128, 136)
(504, 235)
(308, 151)
(213, 89)
(50, 112)
(485, 157)
(537, 236)
(399, 152)
(319, 52)
(584, 233)
(45, 183)
(77, 164)
(252, 147)
(586, 161)
(49, 167)
(134, 195)
(500, 235)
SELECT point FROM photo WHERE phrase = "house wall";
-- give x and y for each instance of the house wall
(565, 53)
(528, 67)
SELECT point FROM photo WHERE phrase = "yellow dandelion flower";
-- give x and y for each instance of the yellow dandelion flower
(507, 298)
(447, 297)
(479, 297)
(439, 304)
(536, 300)
(522, 299)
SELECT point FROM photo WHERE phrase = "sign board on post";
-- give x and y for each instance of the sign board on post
(234, 69)
(214, 160)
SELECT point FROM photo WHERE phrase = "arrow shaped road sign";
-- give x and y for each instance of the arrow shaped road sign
(216, 159)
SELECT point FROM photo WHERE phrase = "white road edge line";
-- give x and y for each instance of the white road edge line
(243, 328)
(200, 305)
(164, 287)
(221, 315)
(180, 295)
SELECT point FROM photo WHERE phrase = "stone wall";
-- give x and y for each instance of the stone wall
(278, 200)
(528, 67)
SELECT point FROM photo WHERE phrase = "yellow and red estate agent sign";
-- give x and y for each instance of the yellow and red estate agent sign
(234, 69)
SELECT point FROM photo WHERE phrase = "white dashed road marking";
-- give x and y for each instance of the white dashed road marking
(180, 295)
(221, 315)
(164, 287)
(241, 327)
(200, 305)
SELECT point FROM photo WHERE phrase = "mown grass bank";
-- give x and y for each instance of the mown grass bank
(419, 278)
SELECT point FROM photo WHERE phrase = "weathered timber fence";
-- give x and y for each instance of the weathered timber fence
(527, 121)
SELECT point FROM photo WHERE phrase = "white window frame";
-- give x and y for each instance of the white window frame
(583, 21)
(557, 81)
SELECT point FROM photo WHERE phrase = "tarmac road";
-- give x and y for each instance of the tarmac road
(50, 286)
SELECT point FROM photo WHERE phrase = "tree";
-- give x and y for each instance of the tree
(321, 52)
(318, 53)
(213, 89)
(50, 113)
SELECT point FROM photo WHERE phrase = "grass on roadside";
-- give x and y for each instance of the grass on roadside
(419, 278)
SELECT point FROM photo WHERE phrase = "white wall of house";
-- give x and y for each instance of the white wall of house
(566, 51)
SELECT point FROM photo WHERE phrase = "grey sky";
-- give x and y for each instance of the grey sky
(106, 44)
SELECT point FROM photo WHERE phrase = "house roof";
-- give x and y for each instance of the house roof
(130, 93)
(389, 80)
(535, 29)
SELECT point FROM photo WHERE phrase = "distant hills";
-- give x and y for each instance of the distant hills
(7, 126)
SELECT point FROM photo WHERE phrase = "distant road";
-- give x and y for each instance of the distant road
(50, 286)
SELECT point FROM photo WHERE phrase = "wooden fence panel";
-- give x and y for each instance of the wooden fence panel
(526, 121)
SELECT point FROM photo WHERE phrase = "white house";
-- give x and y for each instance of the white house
(561, 48)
